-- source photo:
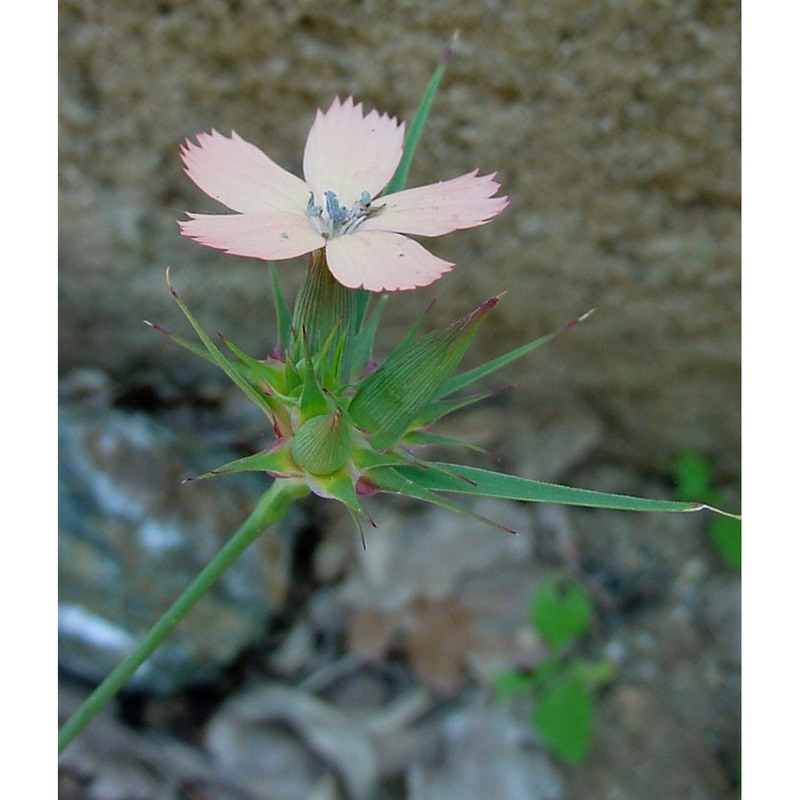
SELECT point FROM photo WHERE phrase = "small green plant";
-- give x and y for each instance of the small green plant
(563, 686)
(693, 478)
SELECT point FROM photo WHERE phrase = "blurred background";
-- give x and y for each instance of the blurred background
(318, 670)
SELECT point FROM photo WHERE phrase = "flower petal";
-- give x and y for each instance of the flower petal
(438, 208)
(348, 153)
(275, 235)
(241, 176)
(383, 262)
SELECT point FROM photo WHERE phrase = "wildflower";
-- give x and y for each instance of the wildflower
(349, 159)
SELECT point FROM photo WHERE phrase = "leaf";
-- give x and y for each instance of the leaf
(441, 408)
(414, 133)
(563, 717)
(392, 480)
(726, 534)
(425, 439)
(365, 338)
(466, 378)
(560, 611)
(312, 399)
(270, 376)
(276, 462)
(508, 684)
(263, 402)
(692, 476)
(511, 487)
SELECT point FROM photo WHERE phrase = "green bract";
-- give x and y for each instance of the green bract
(350, 429)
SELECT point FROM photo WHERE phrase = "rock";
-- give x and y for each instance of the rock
(554, 438)
(647, 750)
(451, 593)
(614, 127)
(485, 753)
(284, 742)
(132, 537)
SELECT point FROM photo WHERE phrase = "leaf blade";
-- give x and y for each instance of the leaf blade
(511, 487)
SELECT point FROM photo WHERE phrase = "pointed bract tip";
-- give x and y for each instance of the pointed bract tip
(488, 305)
(158, 328)
(705, 506)
(446, 56)
(169, 284)
(578, 321)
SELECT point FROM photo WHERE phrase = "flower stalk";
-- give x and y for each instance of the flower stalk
(272, 506)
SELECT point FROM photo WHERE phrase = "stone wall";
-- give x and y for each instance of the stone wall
(613, 124)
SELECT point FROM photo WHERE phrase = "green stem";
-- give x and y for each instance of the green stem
(273, 506)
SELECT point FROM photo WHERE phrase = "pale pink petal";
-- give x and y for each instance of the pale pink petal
(275, 235)
(439, 208)
(348, 153)
(240, 176)
(383, 262)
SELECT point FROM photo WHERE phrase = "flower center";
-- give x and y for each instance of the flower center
(334, 219)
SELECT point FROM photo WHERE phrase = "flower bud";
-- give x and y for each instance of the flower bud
(322, 444)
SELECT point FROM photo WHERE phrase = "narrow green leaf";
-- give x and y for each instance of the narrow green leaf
(277, 461)
(394, 481)
(219, 359)
(563, 716)
(362, 304)
(365, 458)
(441, 408)
(511, 487)
(365, 338)
(269, 376)
(417, 125)
(180, 340)
(312, 399)
(257, 378)
(466, 378)
(425, 439)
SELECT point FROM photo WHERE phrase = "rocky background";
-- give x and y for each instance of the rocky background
(317, 670)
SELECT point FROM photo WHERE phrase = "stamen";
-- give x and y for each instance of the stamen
(313, 210)
(337, 213)
(334, 219)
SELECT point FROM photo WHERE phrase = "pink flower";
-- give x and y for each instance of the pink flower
(349, 159)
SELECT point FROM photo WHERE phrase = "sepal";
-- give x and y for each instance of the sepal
(388, 401)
